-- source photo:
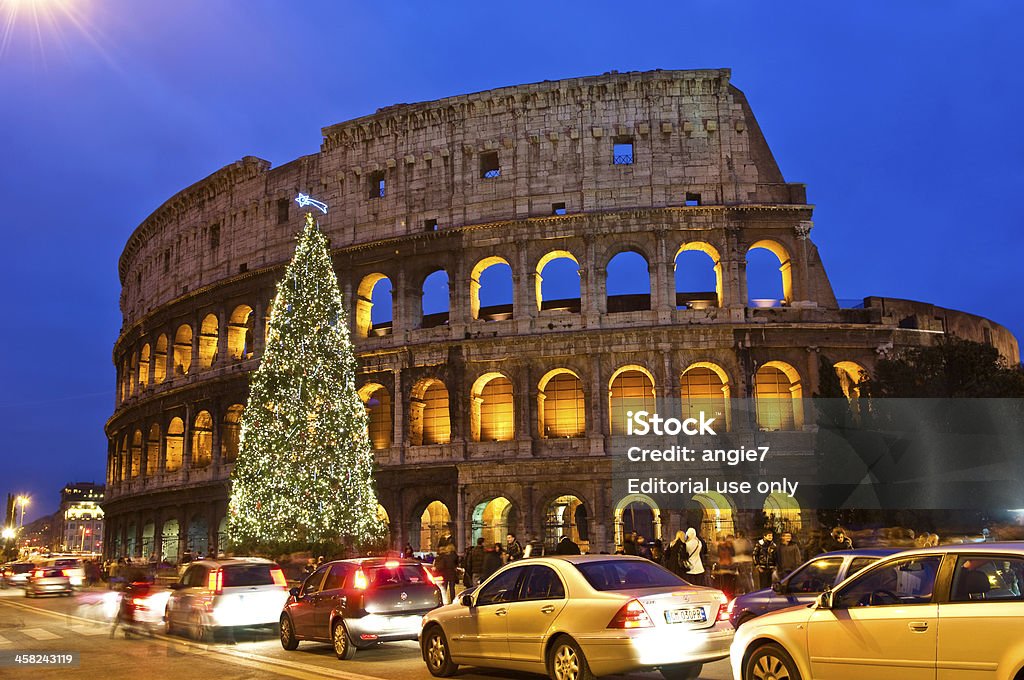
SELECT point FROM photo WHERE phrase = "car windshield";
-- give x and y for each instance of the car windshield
(627, 575)
(402, 574)
(248, 575)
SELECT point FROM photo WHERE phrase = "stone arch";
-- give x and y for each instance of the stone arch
(492, 408)
(704, 386)
(380, 425)
(493, 519)
(435, 301)
(148, 535)
(785, 271)
(566, 514)
(370, 303)
(133, 372)
(208, 339)
(783, 513)
(230, 433)
(241, 327)
(556, 299)
(124, 459)
(495, 310)
(169, 540)
(850, 375)
(637, 512)
(160, 359)
(429, 413)
(144, 359)
(431, 522)
(198, 537)
(136, 454)
(202, 440)
(561, 405)
(183, 349)
(153, 450)
(778, 396)
(174, 444)
(695, 295)
(631, 388)
(717, 516)
(628, 282)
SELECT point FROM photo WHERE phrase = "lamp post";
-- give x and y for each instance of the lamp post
(23, 501)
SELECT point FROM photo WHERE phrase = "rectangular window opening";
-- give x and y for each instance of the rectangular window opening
(692, 199)
(558, 208)
(377, 186)
(489, 168)
(430, 225)
(243, 268)
(215, 236)
(622, 151)
(283, 206)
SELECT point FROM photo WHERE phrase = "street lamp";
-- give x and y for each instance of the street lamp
(9, 533)
(23, 501)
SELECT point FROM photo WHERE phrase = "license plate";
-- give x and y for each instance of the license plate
(689, 614)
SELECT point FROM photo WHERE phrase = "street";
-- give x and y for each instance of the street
(76, 624)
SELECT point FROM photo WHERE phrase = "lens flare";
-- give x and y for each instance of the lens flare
(36, 26)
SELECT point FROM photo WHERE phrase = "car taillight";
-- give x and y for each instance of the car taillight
(725, 606)
(38, 573)
(215, 582)
(278, 576)
(359, 581)
(391, 564)
(66, 572)
(632, 615)
(432, 577)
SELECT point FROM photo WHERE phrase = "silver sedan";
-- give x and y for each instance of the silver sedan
(577, 617)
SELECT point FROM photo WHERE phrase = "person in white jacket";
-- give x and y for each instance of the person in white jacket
(695, 572)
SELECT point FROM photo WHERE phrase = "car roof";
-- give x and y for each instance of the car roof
(1000, 547)
(375, 561)
(860, 552)
(226, 561)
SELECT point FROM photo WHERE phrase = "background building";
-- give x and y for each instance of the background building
(80, 518)
(488, 413)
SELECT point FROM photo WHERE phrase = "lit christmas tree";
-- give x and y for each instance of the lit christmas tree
(304, 474)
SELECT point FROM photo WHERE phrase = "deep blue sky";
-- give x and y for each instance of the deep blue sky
(904, 120)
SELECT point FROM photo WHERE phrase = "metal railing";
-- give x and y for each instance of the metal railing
(622, 159)
(491, 174)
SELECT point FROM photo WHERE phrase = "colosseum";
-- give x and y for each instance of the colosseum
(494, 410)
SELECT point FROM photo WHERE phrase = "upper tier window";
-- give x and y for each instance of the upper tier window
(622, 151)
(489, 167)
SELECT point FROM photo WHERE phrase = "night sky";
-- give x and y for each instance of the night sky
(904, 120)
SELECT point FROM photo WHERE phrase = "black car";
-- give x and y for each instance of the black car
(358, 603)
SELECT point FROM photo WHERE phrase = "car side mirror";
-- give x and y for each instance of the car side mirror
(779, 587)
(467, 601)
(825, 600)
(175, 586)
(294, 592)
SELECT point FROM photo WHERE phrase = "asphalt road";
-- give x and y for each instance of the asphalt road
(60, 624)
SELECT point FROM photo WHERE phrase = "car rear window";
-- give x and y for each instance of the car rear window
(21, 568)
(52, 573)
(402, 574)
(66, 564)
(627, 575)
(248, 575)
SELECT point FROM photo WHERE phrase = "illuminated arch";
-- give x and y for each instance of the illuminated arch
(153, 450)
(429, 413)
(144, 359)
(561, 406)
(783, 513)
(692, 299)
(631, 388)
(637, 512)
(208, 338)
(785, 265)
(136, 454)
(704, 386)
(438, 282)
(174, 442)
(638, 288)
(160, 359)
(493, 520)
(202, 440)
(133, 372)
(241, 326)
(551, 258)
(369, 297)
(850, 375)
(778, 394)
(566, 515)
(475, 285)
(183, 349)
(717, 520)
(492, 412)
(230, 433)
(430, 526)
(377, 401)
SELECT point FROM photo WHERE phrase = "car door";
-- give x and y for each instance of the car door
(303, 610)
(882, 625)
(805, 584)
(541, 598)
(190, 591)
(980, 623)
(331, 594)
(483, 630)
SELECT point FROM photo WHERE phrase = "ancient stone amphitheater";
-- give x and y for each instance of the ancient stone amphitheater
(492, 415)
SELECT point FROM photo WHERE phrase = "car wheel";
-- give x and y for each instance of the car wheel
(566, 661)
(343, 647)
(287, 634)
(198, 630)
(436, 653)
(770, 662)
(682, 671)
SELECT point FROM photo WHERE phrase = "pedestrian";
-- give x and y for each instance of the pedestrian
(446, 564)
(642, 549)
(675, 555)
(566, 546)
(657, 551)
(407, 551)
(513, 548)
(743, 558)
(309, 568)
(765, 559)
(629, 544)
(727, 566)
(838, 540)
(475, 563)
(693, 564)
(789, 556)
(492, 561)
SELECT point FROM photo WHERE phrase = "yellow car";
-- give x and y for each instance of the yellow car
(575, 617)
(947, 613)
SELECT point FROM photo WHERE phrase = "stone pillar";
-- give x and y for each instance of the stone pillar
(398, 440)
(258, 329)
(524, 287)
(158, 534)
(401, 320)
(461, 521)
(197, 330)
(223, 350)
(169, 373)
(186, 444)
(597, 408)
(216, 417)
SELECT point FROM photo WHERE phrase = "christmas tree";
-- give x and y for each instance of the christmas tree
(304, 474)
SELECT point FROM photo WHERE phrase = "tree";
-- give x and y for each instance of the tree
(304, 474)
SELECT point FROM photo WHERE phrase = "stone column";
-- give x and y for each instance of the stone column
(197, 330)
(258, 330)
(216, 417)
(222, 351)
(186, 444)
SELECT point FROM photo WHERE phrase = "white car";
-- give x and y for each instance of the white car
(948, 613)
(575, 617)
(219, 594)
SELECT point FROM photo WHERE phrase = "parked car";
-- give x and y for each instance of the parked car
(17, 573)
(72, 567)
(579, 616)
(805, 583)
(218, 594)
(48, 580)
(359, 603)
(885, 621)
